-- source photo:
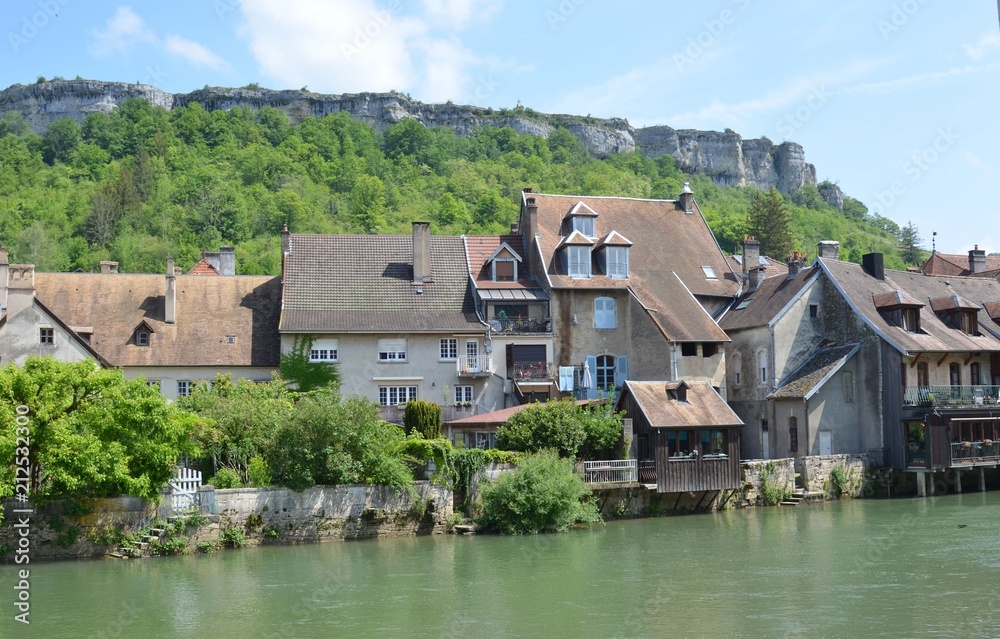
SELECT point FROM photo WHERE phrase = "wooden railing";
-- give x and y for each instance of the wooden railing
(614, 471)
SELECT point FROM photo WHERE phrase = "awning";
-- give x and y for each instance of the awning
(513, 294)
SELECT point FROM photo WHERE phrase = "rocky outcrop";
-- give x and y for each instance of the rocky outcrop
(727, 157)
(832, 194)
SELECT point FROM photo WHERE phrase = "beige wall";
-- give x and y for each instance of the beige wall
(168, 376)
(19, 338)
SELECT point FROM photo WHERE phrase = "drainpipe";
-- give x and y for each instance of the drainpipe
(673, 362)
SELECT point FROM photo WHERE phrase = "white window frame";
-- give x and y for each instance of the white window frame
(448, 350)
(465, 394)
(604, 313)
(392, 350)
(616, 264)
(578, 264)
(585, 224)
(493, 266)
(184, 387)
(324, 355)
(46, 336)
(396, 395)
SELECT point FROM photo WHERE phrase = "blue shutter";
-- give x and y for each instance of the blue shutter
(621, 371)
(592, 365)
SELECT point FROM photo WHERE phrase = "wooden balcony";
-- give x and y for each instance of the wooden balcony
(951, 396)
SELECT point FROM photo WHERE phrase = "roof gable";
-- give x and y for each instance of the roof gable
(505, 251)
(658, 402)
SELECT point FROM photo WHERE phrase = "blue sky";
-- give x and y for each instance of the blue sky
(894, 100)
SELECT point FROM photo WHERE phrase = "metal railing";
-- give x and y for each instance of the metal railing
(518, 325)
(477, 365)
(531, 371)
(647, 471)
(614, 471)
(950, 395)
(984, 452)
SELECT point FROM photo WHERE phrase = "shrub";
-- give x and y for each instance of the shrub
(258, 472)
(554, 425)
(542, 495)
(838, 481)
(423, 417)
(226, 478)
(232, 537)
(772, 492)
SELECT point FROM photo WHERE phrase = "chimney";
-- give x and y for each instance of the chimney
(751, 262)
(108, 268)
(829, 249)
(286, 243)
(687, 198)
(873, 265)
(212, 258)
(170, 305)
(421, 252)
(977, 260)
(4, 271)
(795, 262)
(227, 260)
(515, 228)
(20, 288)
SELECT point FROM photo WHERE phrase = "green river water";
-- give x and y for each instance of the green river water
(900, 568)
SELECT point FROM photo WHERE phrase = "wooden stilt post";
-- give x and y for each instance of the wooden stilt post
(932, 488)
(958, 481)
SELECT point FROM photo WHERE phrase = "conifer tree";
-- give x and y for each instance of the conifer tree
(909, 243)
(769, 223)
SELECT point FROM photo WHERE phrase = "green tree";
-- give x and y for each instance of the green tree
(422, 417)
(60, 140)
(542, 495)
(92, 432)
(554, 425)
(367, 204)
(769, 222)
(909, 244)
(297, 367)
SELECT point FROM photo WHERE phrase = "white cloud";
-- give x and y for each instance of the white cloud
(918, 80)
(986, 44)
(196, 54)
(978, 165)
(445, 70)
(122, 31)
(460, 12)
(331, 45)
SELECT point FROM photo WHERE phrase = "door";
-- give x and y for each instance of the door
(825, 442)
(765, 446)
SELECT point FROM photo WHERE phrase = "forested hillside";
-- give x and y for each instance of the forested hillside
(141, 184)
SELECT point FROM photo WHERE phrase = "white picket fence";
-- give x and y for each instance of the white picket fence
(184, 489)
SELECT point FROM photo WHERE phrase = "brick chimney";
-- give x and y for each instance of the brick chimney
(795, 262)
(828, 249)
(687, 198)
(977, 260)
(20, 288)
(4, 273)
(170, 305)
(751, 262)
(109, 268)
(421, 252)
(227, 260)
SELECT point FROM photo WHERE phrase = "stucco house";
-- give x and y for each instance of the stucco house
(634, 286)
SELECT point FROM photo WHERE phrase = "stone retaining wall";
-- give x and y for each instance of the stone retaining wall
(815, 473)
(779, 472)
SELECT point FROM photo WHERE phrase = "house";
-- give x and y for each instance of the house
(634, 287)
(688, 438)
(479, 431)
(976, 264)
(849, 358)
(516, 309)
(395, 313)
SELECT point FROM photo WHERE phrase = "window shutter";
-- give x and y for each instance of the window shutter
(621, 371)
(566, 379)
(592, 365)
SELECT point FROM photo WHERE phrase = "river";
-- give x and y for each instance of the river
(859, 569)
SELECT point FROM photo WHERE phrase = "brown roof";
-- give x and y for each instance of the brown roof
(770, 266)
(814, 371)
(895, 299)
(208, 310)
(480, 248)
(952, 303)
(364, 283)
(203, 268)
(760, 306)
(704, 407)
(948, 264)
(497, 418)
(669, 247)
(935, 336)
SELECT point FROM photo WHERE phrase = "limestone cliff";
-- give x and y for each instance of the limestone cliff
(728, 158)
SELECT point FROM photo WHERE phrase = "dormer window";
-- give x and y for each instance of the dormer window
(584, 225)
(957, 312)
(503, 264)
(679, 393)
(613, 255)
(899, 309)
(582, 219)
(142, 335)
(576, 252)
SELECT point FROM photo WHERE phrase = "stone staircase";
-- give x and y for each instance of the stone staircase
(143, 548)
(802, 496)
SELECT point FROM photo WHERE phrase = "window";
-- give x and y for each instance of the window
(323, 355)
(709, 273)
(153, 383)
(504, 269)
(605, 373)
(142, 338)
(230, 339)
(975, 374)
(396, 395)
(737, 369)
(616, 262)
(848, 378)
(762, 367)
(479, 439)
(604, 312)
(183, 387)
(709, 349)
(584, 224)
(793, 434)
(955, 374)
(579, 261)
(449, 348)
(910, 319)
(923, 379)
(472, 355)
(689, 349)
(566, 378)
(814, 311)
(464, 394)
(47, 336)
(392, 350)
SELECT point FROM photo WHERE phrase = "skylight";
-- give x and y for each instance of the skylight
(709, 273)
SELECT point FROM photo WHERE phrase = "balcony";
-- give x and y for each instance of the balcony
(616, 471)
(986, 452)
(508, 326)
(478, 366)
(531, 372)
(950, 396)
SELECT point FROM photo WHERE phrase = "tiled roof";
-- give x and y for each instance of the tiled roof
(760, 306)
(895, 299)
(203, 268)
(481, 247)
(935, 336)
(208, 310)
(345, 283)
(669, 246)
(497, 418)
(704, 407)
(770, 266)
(814, 371)
(948, 264)
(952, 303)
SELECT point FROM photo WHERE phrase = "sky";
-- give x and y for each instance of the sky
(894, 100)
